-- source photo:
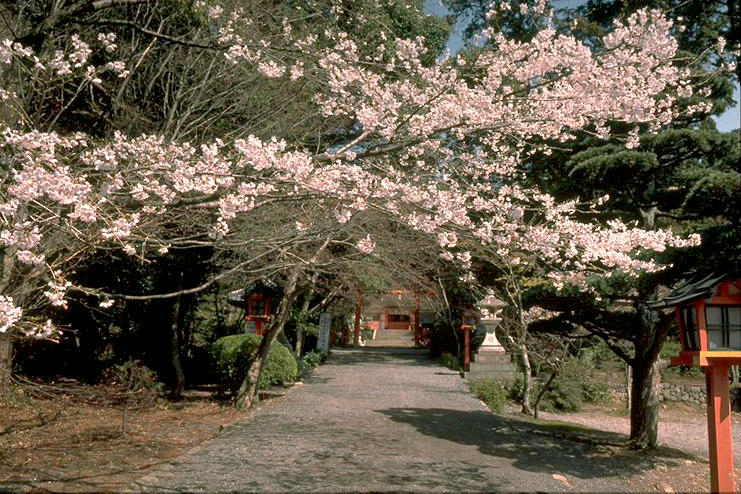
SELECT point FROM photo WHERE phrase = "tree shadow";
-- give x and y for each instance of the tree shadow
(538, 446)
(377, 355)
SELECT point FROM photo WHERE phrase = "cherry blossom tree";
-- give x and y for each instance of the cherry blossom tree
(649, 183)
(64, 195)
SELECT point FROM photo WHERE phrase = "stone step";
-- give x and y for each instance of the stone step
(492, 357)
(490, 367)
(392, 338)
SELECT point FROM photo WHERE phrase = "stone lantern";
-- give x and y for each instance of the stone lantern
(491, 362)
(490, 307)
(709, 318)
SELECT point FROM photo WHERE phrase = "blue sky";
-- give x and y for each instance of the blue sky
(727, 121)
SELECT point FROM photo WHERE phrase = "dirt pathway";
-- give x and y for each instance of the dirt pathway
(373, 420)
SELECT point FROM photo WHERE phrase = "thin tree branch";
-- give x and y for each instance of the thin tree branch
(188, 291)
(149, 32)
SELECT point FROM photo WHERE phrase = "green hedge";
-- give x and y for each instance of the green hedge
(233, 353)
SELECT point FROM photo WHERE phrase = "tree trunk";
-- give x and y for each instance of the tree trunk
(644, 406)
(542, 393)
(177, 366)
(299, 342)
(526, 378)
(303, 316)
(6, 363)
(646, 386)
(628, 381)
(6, 342)
(247, 395)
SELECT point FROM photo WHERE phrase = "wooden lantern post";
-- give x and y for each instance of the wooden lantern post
(259, 310)
(417, 325)
(709, 317)
(468, 323)
(358, 316)
(257, 302)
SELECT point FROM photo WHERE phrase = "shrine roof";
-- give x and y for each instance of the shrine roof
(238, 298)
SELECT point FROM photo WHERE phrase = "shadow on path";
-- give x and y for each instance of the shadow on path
(417, 357)
(537, 447)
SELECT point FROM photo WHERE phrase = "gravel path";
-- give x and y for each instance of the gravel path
(680, 426)
(376, 420)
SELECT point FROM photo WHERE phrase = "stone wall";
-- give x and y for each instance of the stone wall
(690, 393)
(695, 394)
(684, 393)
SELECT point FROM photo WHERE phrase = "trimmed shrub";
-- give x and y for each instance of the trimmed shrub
(233, 354)
(490, 392)
(450, 361)
(312, 359)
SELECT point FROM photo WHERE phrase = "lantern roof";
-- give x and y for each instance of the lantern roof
(491, 302)
(692, 289)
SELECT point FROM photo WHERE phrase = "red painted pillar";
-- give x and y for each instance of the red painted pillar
(358, 312)
(417, 327)
(719, 429)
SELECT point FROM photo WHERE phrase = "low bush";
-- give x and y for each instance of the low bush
(137, 384)
(565, 395)
(595, 391)
(450, 361)
(492, 393)
(312, 359)
(686, 371)
(234, 353)
(517, 389)
(137, 381)
(562, 395)
(440, 339)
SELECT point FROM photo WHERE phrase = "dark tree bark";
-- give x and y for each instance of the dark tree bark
(646, 385)
(6, 363)
(6, 341)
(644, 406)
(542, 393)
(303, 315)
(177, 366)
(527, 372)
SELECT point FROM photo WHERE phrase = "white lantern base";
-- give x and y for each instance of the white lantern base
(490, 343)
